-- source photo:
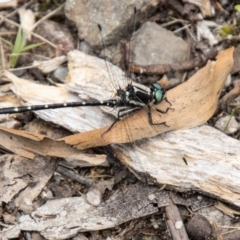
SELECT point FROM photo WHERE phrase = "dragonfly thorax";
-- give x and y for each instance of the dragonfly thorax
(135, 96)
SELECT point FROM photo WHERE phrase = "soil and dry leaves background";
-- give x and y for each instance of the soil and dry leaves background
(210, 155)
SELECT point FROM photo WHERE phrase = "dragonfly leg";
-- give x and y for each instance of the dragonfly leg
(169, 108)
(121, 114)
(166, 100)
(151, 120)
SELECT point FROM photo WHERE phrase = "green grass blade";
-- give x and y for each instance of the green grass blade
(19, 47)
(18, 42)
(232, 113)
(237, 7)
(13, 60)
(31, 46)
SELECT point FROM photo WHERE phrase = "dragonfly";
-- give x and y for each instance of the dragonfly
(128, 98)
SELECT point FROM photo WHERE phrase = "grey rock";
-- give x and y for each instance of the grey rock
(60, 73)
(227, 124)
(156, 45)
(115, 17)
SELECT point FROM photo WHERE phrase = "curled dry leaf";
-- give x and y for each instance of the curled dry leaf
(50, 65)
(29, 144)
(192, 103)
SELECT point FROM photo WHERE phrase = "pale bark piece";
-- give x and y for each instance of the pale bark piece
(63, 218)
(10, 233)
(212, 162)
(192, 103)
(226, 209)
(50, 65)
(24, 179)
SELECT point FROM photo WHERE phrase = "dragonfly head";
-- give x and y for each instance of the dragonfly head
(158, 93)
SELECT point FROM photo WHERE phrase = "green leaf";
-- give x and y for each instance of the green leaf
(13, 60)
(19, 47)
(19, 43)
(31, 46)
(226, 30)
(237, 7)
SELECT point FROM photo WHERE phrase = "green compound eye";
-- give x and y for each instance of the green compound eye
(158, 96)
(158, 93)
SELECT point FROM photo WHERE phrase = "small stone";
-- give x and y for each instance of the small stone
(232, 126)
(49, 194)
(228, 80)
(151, 197)
(199, 228)
(8, 218)
(60, 73)
(94, 197)
(178, 224)
(155, 226)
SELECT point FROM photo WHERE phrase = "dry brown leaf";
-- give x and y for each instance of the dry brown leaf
(29, 144)
(193, 103)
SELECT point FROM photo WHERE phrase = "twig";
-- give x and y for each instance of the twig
(47, 17)
(180, 66)
(68, 173)
(3, 67)
(174, 222)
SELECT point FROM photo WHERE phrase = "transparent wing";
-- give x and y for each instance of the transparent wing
(102, 83)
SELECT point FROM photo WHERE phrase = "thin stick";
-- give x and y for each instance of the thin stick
(68, 173)
(47, 17)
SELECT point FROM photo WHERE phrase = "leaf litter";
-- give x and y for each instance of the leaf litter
(204, 104)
